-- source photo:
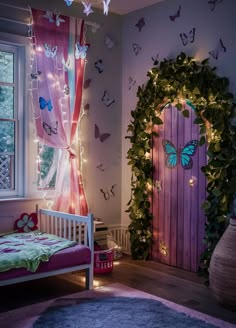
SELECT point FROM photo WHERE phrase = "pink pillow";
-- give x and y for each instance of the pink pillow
(26, 222)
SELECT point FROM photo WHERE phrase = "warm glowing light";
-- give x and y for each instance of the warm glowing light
(192, 181)
(50, 76)
(39, 49)
(49, 204)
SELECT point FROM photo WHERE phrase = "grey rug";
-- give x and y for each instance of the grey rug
(114, 312)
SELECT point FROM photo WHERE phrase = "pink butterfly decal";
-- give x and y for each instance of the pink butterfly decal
(101, 136)
(173, 17)
(220, 48)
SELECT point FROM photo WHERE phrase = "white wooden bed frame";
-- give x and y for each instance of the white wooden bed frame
(70, 226)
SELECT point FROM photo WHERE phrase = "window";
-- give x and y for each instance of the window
(11, 121)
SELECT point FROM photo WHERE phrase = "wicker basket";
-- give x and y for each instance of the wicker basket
(222, 270)
(103, 261)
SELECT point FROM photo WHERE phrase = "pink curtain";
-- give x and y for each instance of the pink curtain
(57, 82)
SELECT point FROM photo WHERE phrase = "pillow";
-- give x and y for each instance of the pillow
(26, 223)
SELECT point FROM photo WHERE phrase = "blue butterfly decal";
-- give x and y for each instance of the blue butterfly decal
(80, 51)
(43, 104)
(173, 156)
(69, 2)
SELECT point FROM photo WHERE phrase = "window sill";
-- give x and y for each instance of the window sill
(19, 199)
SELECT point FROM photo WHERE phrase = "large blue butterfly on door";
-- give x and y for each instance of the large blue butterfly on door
(184, 155)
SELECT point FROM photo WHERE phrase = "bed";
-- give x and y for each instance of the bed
(77, 233)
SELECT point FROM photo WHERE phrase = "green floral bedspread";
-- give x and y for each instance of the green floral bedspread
(27, 250)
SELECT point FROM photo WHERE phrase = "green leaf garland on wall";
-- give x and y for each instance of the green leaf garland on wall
(206, 93)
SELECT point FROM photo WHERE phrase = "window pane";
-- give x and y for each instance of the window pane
(6, 67)
(47, 167)
(6, 102)
(7, 155)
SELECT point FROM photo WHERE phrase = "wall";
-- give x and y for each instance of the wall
(103, 167)
(161, 36)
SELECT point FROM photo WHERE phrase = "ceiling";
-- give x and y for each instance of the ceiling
(123, 7)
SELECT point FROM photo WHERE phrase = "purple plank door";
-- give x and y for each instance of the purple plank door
(178, 220)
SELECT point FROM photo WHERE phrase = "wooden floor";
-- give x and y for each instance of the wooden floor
(173, 284)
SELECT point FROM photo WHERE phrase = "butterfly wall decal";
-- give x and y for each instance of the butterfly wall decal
(155, 59)
(50, 51)
(108, 194)
(106, 6)
(101, 136)
(58, 19)
(87, 8)
(188, 38)
(109, 43)
(66, 90)
(50, 128)
(136, 48)
(68, 2)
(220, 48)
(49, 15)
(87, 83)
(141, 23)
(173, 17)
(34, 76)
(66, 64)
(184, 156)
(99, 66)
(43, 104)
(80, 51)
(214, 3)
(107, 99)
(131, 82)
(100, 167)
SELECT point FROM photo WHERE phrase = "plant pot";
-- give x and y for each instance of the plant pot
(222, 269)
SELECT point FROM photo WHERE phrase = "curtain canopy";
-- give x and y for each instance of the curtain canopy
(58, 66)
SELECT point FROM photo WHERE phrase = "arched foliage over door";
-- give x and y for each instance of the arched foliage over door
(172, 82)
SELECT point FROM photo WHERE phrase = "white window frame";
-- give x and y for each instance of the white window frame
(24, 171)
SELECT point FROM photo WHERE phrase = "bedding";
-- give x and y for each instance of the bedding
(28, 250)
(65, 245)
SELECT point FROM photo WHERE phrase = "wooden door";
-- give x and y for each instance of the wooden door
(178, 220)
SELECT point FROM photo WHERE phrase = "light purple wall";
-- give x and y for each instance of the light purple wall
(161, 36)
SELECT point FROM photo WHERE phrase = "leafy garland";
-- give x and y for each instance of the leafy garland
(208, 95)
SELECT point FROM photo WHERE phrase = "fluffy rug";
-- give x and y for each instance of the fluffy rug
(113, 306)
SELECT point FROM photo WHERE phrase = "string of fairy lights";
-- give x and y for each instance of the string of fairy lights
(41, 182)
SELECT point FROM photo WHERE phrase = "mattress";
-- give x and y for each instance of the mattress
(68, 257)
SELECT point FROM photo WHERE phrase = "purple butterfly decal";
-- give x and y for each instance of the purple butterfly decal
(87, 83)
(220, 48)
(34, 76)
(100, 167)
(107, 194)
(136, 48)
(213, 4)
(131, 82)
(140, 24)
(50, 128)
(101, 136)
(99, 66)
(173, 17)
(155, 60)
(188, 38)
(107, 99)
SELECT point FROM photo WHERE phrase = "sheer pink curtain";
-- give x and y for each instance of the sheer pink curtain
(57, 83)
